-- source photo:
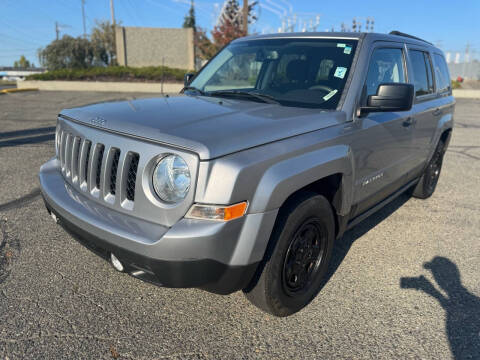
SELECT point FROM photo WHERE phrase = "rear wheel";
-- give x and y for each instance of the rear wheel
(428, 182)
(298, 257)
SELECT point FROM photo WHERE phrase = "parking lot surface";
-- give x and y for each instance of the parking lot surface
(405, 283)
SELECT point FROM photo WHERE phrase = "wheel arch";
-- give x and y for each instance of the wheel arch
(327, 171)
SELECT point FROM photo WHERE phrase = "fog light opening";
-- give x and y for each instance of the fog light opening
(116, 263)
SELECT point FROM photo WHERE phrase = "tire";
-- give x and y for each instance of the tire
(428, 182)
(297, 257)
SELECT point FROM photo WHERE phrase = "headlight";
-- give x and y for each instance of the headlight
(171, 179)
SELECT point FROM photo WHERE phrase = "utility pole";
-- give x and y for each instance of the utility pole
(83, 17)
(466, 59)
(245, 17)
(112, 12)
(57, 30)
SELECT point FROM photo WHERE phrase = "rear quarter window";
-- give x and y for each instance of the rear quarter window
(422, 72)
(441, 73)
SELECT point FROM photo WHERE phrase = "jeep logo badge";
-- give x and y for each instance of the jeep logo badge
(98, 120)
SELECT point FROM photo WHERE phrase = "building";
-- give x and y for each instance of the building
(138, 46)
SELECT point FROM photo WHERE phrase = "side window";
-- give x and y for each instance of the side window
(441, 73)
(386, 66)
(422, 72)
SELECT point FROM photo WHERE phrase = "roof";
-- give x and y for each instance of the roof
(343, 35)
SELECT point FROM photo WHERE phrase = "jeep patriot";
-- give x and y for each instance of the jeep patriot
(271, 152)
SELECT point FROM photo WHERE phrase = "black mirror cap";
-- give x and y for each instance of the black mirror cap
(187, 78)
(390, 97)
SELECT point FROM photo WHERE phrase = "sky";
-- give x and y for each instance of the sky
(27, 25)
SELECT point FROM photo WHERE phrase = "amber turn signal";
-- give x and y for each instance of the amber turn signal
(217, 212)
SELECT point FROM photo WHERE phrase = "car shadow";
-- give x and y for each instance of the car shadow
(462, 308)
(27, 136)
(343, 245)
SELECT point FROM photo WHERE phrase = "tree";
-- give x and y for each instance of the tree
(67, 52)
(22, 63)
(189, 20)
(230, 23)
(205, 49)
(103, 43)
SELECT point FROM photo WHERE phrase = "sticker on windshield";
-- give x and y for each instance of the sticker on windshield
(347, 50)
(330, 94)
(341, 45)
(340, 72)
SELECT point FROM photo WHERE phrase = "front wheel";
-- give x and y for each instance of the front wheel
(298, 256)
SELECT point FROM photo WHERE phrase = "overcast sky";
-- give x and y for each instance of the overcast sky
(27, 25)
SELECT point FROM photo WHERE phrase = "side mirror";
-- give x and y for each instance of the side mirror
(187, 78)
(390, 97)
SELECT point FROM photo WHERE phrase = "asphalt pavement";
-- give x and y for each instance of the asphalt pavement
(405, 283)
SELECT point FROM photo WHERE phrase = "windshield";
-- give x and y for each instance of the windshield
(291, 72)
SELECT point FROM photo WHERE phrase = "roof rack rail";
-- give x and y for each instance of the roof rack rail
(398, 33)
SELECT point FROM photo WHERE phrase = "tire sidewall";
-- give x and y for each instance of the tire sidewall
(316, 207)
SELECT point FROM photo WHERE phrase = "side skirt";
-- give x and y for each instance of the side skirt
(381, 204)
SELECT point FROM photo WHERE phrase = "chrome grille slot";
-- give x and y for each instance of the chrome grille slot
(62, 149)
(84, 158)
(114, 169)
(100, 150)
(131, 178)
(68, 155)
(75, 158)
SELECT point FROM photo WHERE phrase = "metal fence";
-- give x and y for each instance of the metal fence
(467, 70)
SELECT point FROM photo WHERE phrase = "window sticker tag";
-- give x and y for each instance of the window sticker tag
(341, 45)
(347, 50)
(330, 94)
(340, 72)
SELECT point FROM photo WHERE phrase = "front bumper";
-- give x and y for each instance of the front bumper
(215, 256)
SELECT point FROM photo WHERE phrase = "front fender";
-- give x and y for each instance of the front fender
(286, 177)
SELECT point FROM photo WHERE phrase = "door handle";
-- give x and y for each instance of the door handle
(437, 112)
(408, 122)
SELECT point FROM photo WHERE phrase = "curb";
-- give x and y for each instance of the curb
(101, 86)
(6, 91)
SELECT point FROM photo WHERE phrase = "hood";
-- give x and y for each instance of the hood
(211, 127)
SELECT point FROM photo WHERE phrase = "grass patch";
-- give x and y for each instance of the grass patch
(8, 82)
(115, 73)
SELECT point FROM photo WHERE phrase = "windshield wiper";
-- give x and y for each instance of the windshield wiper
(193, 88)
(258, 96)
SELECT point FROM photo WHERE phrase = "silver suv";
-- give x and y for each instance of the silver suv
(275, 148)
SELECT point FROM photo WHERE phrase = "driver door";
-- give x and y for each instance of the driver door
(383, 146)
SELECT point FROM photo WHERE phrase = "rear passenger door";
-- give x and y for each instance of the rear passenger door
(425, 108)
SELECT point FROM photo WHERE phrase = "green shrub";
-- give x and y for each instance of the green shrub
(456, 84)
(114, 73)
